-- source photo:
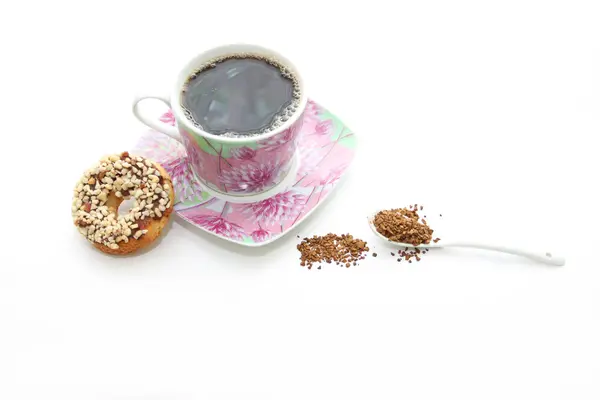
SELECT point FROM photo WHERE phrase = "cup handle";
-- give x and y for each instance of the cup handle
(155, 124)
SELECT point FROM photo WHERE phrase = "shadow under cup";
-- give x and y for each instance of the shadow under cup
(243, 166)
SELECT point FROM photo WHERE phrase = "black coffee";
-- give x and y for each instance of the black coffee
(240, 95)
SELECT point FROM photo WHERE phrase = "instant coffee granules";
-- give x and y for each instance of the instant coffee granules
(344, 250)
(403, 225)
(408, 254)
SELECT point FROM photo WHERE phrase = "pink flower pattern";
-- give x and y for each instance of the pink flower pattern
(313, 109)
(328, 177)
(281, 207)
(183, 179)
(243, 153)
(260, 235)
(160, 148)
(324, 127)
(309, 159)
(241, 169)
(219, 225)
(323, 160)
(168, 118)
(250, 177)
(333, 176)
(190, 147)
(281, 140)
(193, 153)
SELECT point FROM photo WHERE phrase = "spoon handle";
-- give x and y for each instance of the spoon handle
(546, 258)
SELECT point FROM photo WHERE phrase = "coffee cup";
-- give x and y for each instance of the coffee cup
(236, 166)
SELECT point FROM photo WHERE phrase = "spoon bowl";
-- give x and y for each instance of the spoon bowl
(430, 245)
(544, 257)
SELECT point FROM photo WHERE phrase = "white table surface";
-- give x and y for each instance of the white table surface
(486, 112)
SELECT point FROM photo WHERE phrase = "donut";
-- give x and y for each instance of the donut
(103, 188)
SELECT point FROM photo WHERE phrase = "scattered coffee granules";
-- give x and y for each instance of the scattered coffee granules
(403, 225)
(341, 249)
(408, 254)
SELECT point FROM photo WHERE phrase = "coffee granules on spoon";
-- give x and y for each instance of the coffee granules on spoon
(403, 225)
(341, 249)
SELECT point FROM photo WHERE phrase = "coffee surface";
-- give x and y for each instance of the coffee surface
(240, 96)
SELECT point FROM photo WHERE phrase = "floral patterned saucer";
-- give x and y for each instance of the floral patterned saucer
(326, 148)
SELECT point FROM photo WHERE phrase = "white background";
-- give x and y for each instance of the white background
(485, 111)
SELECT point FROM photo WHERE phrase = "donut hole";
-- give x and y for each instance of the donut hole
(126, 206)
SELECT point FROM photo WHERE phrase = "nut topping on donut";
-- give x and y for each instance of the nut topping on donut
(102, 188)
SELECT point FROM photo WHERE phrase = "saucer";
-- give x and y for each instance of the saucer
(325, 149)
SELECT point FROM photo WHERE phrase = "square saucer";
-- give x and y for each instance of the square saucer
(326, 147)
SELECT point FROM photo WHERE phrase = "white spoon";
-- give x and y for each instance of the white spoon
(546, 258)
